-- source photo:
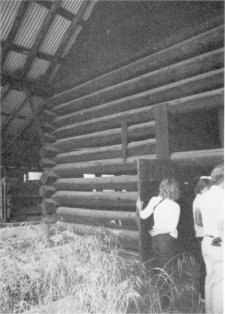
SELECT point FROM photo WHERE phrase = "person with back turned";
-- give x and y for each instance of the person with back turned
(211, 215)
(166, 214)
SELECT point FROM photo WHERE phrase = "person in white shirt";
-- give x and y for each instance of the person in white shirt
(202, 186)
(166, 214)
(211, 216)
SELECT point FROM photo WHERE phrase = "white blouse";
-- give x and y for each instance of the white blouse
(166, 214)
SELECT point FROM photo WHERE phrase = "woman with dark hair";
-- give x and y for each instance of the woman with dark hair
(166, 214)
(202, 186)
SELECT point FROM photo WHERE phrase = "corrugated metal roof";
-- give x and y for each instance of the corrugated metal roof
(89, 10)
(72, 6)
(31, 25)
(7, 16)
(12, 100)
(14, 62)
(38, 68)
(72, 40)
(54, 35)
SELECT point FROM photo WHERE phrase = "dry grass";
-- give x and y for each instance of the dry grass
(88, 268)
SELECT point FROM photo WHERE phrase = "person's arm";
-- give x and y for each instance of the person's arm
(198, 217)
(148, 210)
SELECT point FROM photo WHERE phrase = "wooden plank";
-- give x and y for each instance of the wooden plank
(66, 37)
(106, 218)
(46, 191)
(128, 239)
(162, 132)
(145, 147)
(47, 162)
(104, 138)
(201, 64)
(221, 125)
(124, 138)
(48, 151)
(60, 10)
(36, 119)
(205, 100)
(40, 36)
(207, 158)
(193, 46)
(106, 200)
(111, 166)
(194, 85)
(128, 183)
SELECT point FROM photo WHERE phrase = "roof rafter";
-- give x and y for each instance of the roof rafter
(22, 85)
(41, 35)
(60, 10)
(16, 25)
(26, 51)
(69, 32)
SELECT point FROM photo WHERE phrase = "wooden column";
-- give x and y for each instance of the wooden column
(162, 132)
(221, 125)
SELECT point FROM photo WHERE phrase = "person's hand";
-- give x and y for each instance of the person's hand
(139, 205)
(156, 231)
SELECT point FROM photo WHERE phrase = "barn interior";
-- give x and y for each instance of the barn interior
(99, 100)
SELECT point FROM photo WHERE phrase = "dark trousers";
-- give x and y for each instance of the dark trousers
(200, 260)
(164, 250)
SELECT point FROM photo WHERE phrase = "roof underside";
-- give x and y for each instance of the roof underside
(36, 37)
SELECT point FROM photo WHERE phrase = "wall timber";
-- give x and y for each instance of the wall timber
(103, 127)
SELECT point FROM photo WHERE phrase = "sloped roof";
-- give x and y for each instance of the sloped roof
(36, 37)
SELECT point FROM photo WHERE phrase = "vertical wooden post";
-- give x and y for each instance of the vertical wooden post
(221, 125)
(124, 138)
(36, 120)
(162, 132)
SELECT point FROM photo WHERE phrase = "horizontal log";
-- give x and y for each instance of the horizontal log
(47, 191)
(208, 158)
(203, 101)
(133, 149)
(48, 151)
(103, 218)
(193, 85)
(48, 206)
(203, 63)
(108, 137)
(194, 102)
(47, 127)
(106, 200)
(128, 183)
(175, 53)
(50, 138)
(106, 166)
(47, 162)
(48, 177)
(128, 239)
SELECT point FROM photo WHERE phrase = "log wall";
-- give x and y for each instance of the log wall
(104, 126)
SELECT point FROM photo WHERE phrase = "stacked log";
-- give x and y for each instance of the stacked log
(104, 126)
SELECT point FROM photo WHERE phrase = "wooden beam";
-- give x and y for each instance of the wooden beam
(187, 87)
(21, 84)
(41, 35)
(60, 10)
(26, 51)
(12, 115)
(104, 218)
(69, 32)
(203, 39)
(128, 183)
(48, 151)
(111, 166)
(165, 75)
(107, 137)
(105, 200)
(15, 27)
(36, 119)
(146, 147)
(191, 103)
(162, 132)
(124, 138)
